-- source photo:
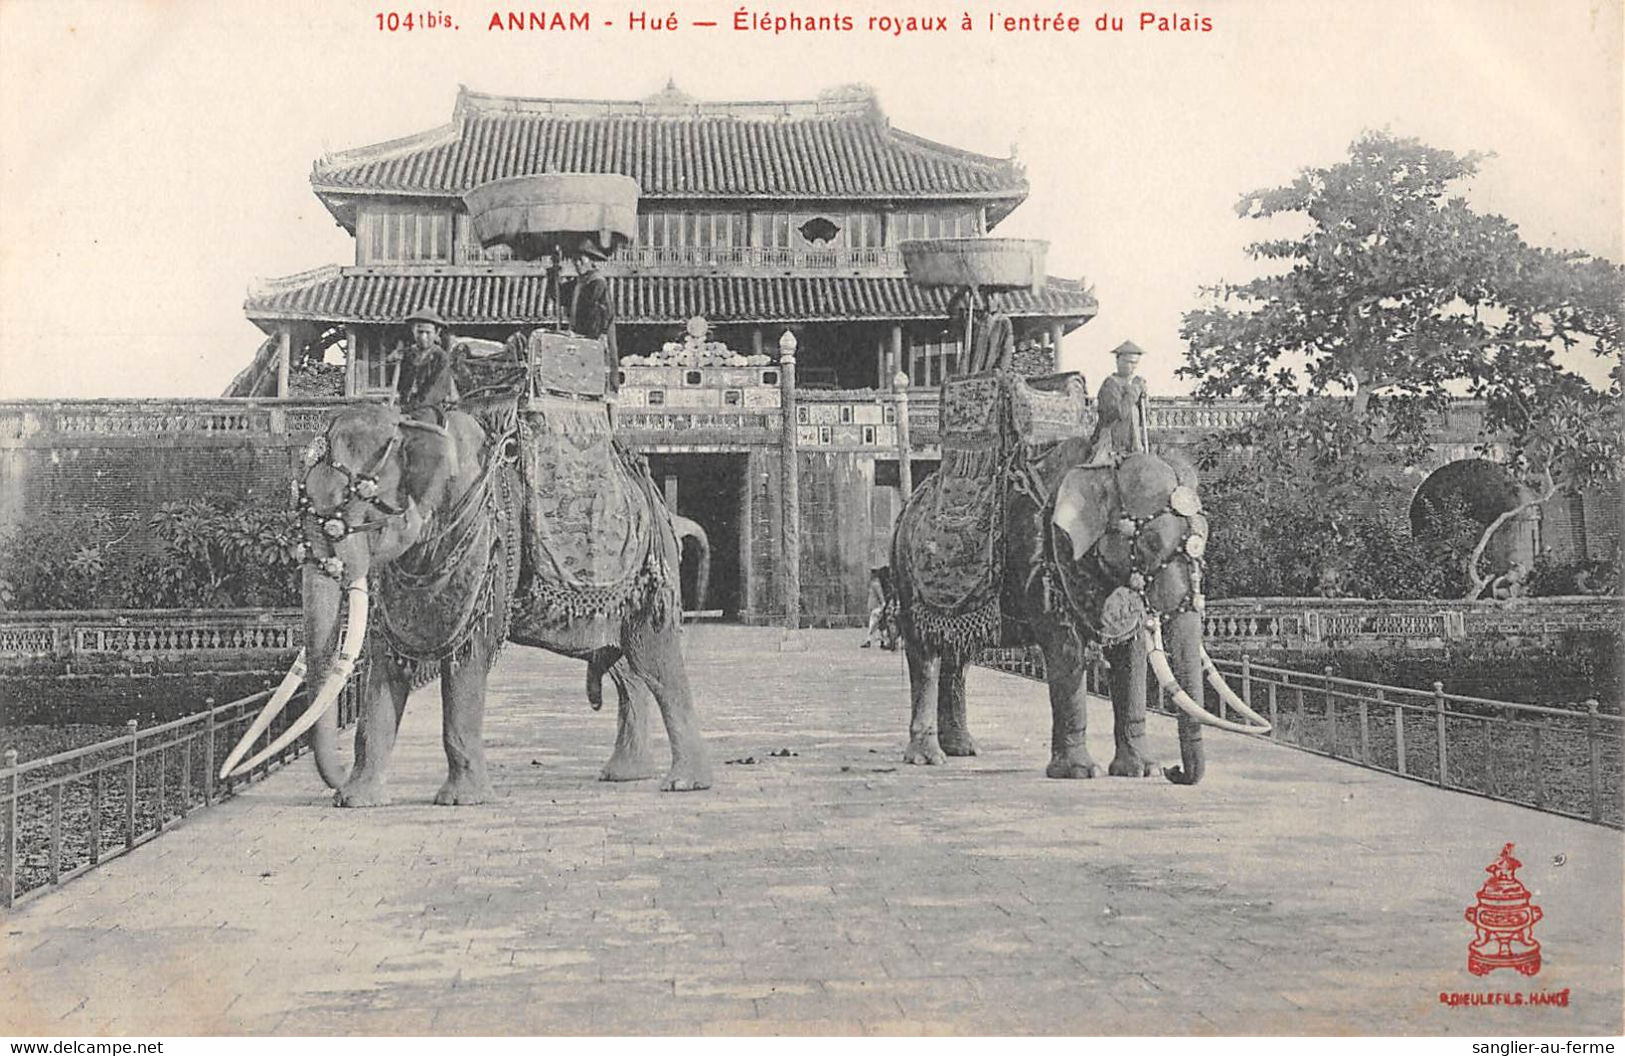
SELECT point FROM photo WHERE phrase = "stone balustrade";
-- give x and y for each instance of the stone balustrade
(44, 423)
(120, 640)
(1244, 623)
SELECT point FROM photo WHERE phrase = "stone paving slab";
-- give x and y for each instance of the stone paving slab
(833, 890)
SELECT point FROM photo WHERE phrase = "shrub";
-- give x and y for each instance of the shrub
(1305, 547)
(1582, 576)
(202, 553)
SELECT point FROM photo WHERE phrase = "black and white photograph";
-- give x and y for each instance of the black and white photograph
(811, 520)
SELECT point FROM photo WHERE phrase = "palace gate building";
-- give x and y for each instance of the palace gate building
(777, 225)
(774, 223)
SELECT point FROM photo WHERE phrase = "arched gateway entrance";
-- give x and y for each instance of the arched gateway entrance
(1479, 491)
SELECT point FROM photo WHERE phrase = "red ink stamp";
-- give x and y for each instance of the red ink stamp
(1504, 920)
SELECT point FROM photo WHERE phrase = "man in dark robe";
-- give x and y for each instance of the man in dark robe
(422, 369)
(592, 313)
(992, 339)
(1121, 428)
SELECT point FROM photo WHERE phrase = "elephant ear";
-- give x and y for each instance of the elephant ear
(427, 452)
(1083, 507)
(1145, 482)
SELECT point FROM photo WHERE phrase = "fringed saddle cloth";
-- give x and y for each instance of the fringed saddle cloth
(955, 521)
(591, 527)
(459, 582)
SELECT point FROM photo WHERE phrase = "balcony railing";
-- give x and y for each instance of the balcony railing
(835, 258)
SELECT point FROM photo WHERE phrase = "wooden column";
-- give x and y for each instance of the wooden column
(1056, 327)
(352, 360)
(284, 356)
(747, 529)
(894, 359)
(905, 469)
(790, 536)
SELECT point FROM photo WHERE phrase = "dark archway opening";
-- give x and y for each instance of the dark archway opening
(707, 489)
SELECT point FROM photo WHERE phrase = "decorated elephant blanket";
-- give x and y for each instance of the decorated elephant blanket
(953, 525)
(440, 594)
(592, 523)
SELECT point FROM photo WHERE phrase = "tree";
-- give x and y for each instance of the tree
(1396, 297)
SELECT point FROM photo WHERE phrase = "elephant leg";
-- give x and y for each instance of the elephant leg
(656, 659)
(1129, 688)
(462, 709)
(383, 702)
(923, 667)
(633, 758)
(952, 731)
(1069, 717)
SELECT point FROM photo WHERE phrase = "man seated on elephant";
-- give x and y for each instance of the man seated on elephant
(1121, 428)
(592, 309)
(423, 369)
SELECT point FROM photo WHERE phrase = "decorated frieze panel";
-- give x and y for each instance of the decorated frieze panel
(848, 435)
(307, 421)
(741, 425)
(756, 399)
(691, 377)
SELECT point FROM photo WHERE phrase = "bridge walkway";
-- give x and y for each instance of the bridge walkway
(827, 888)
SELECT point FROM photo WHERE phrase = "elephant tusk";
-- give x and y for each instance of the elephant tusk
(1228, 695)
(1158, 658)
(355, 633)
(279, 700)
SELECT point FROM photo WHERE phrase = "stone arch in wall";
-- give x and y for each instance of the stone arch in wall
(1485, 490)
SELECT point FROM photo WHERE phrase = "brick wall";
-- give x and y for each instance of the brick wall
(128, 457)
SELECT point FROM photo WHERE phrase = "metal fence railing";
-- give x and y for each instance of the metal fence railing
(1561, 760)
(65, 814)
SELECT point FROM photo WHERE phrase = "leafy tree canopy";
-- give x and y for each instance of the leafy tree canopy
(1398, 288)
(1395, 297)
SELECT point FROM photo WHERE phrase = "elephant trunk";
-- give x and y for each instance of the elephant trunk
(321, 603)
(702, 574)
(331, 660)
(1185, 638)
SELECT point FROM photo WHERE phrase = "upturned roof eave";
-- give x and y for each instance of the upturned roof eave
(266, 317)
(1016, 194)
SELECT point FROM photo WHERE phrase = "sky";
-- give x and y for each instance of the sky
(155, 154)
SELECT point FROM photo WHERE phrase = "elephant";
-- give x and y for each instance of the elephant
(691, 531)
(428, 516)
(1107, 554)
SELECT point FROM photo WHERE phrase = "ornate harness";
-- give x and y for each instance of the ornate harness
(1127, 607)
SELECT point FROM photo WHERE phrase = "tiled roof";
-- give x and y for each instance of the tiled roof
(350, 296)
(837, 146)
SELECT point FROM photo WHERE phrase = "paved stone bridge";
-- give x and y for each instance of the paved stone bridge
(830, 889)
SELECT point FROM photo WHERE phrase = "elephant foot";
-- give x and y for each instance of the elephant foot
(628, 768)
(1072, 767)
(464, 792)
(1178, 776)
(683, 778)
(924, 752)
(362, 794)
(957, 742)
(1131, 764)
